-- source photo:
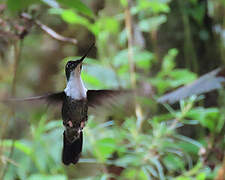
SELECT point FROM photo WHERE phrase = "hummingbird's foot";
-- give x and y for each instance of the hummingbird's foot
(82, 124)
(70, 124)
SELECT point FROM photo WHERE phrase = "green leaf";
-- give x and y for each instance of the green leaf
(20, 145)
(51, 3)
(151, 170)
(77, 5)
(52, 125)
(142, 175)
(144, 59)
(162, 117)
(198, 13)
(154, 5)
(121, 58)
(129, 160)
(159, 167)
(91, 80)
(201, 176)
(47, 177)
(168, 61)
(161, 84)
(183, 178)
(104, 148)
(181, 77)
(19, 5)
(73, 18)
(56, 11)
(129, 173)
(152, 24)
(108, 24)
(104, 74)
(189, 140)
(124, 3)
(132, 173)
(173, 162)
(207, 117)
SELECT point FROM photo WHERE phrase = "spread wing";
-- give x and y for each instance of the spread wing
(208, 82)
(50, 98)
(102, 97)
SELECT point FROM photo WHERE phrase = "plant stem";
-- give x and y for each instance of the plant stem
(129, 28)
(17, 54)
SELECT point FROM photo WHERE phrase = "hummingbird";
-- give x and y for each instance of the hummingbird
(74, 100)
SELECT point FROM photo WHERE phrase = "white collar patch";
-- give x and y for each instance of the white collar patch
(75, 88)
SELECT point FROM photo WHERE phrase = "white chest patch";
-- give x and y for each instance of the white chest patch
(75, 88)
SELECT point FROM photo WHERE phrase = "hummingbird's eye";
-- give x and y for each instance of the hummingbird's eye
(68, 64)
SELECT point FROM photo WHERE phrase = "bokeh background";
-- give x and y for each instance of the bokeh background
(151, 45)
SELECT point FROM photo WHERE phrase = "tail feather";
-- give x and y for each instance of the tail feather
(71, 151)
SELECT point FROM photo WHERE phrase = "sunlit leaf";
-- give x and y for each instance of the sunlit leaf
(47, 177)
(173, 162)
(108, 24)
(144, 59)
(181, 77)
(20, 145)
(201, 176)
(132, 173)
(168, 60)
(91, 80)
(154, 5)
(106, 75)
(207, 117)
(105, 147)
(51, 3)
(78, 5)
(124, 3)
(71, 17)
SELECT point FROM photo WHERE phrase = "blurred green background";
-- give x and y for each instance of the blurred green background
(152, 45)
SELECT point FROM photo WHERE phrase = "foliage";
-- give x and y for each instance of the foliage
(161, 149)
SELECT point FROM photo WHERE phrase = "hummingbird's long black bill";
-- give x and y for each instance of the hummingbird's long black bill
(85, 55)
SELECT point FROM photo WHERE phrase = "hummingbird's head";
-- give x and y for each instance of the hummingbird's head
(75, 67)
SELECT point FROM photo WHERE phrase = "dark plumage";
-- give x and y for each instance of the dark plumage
(75, 100)
(72, 151)
(74, 114)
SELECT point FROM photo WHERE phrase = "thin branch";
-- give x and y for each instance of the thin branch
(129, 27)
(8, 162)
(49, 31)
(183, 113)
(17, 55)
